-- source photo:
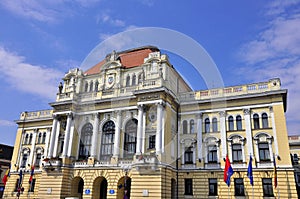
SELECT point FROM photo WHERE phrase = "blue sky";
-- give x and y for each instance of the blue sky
(250, 41)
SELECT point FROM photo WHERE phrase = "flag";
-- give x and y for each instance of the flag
(31, 174)
(228, 171)
(6, 176)
(249, 171)
(275, 172)
(20, 179)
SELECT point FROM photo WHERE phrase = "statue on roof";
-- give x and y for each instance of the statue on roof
(60, 87)
(113, 56)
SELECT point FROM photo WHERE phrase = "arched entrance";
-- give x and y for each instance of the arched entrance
(124, 187)
(99, 188)
(173, 188)
(77, 185)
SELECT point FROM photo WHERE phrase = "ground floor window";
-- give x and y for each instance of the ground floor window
(188, 186)
(267, 187)
(239, 187)
(213, 186)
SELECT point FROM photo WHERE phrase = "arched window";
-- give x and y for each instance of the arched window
(184, 127)
(91, 86)
(230, 123)
(133, 79)
(265, 123)
(140, 78)
(44, 138)
(26, 139)
(207, 125)
(214, 124)
(239, 123)
(256, 121)
(39, 141)
(96, 86)
(85, 141)
(192, 126)
(130, 138)
(108, 135)
(128, 80)
(30, 138)
(86, 86)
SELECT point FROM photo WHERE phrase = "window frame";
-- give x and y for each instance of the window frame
(212, 183)
(267, 187)
(239, 187)
(265, 120)
(130, 136)
(206, 125)
(237, 154)
(151, 144)
(256, 124)
(189, 156)
(214, 124)
(108, 134)
(188, 186)
(230, 123)
(212, 155)
(239, 125)
(265, 151)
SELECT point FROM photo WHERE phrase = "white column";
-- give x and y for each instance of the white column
(182, 153)
(117, 135)
(67, 135)
(95, 135)
(199, 136)
(274, 130)
(248, 128)
(144, 132)
(55, 150)
(139, 130)
(53, 136)
(47, 142)
(32, 150)
(270, 148)
(158, 138)
(223, 133)
(71, 140)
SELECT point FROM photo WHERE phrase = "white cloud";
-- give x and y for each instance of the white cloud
(274, 52)
(26, 77)
(6, 123)
(106, 18)
(46, 10)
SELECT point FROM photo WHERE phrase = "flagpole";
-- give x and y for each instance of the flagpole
(278, 193)
(228, 192)
(252, 192)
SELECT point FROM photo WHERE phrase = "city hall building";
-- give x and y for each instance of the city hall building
(131, 127)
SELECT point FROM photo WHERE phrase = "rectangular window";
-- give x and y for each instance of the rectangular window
(188, 156)
(31, 186)
(212, 154)
(267, 187)
(188, 186)
(237, 153)
(151, 141)
(264, 154)
(213, 186)
(239, 187)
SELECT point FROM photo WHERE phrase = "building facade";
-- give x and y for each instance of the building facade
(294, 142)
(5, 157)
(131, 127)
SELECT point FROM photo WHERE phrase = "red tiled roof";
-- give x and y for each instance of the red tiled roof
(129, 58)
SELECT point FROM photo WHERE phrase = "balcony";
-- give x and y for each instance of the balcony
(271, 85)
